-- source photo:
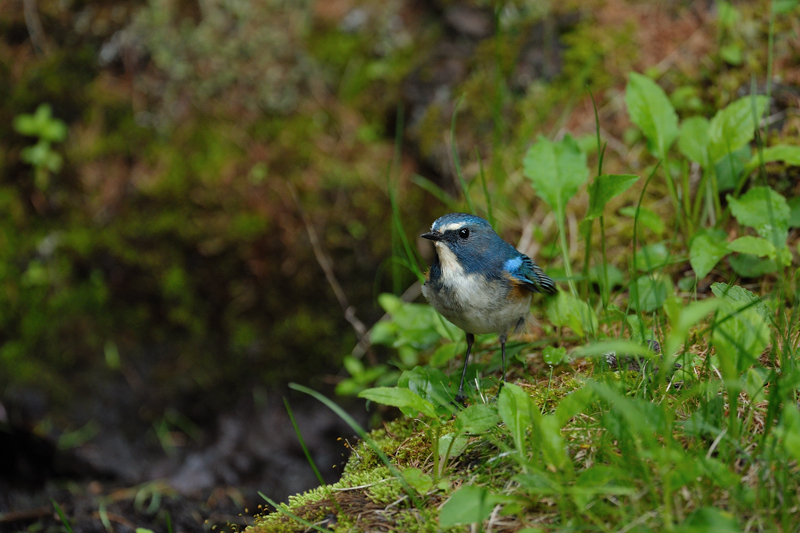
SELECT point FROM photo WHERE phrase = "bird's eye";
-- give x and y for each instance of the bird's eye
(463, 233)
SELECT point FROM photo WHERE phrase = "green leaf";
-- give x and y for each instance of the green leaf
(452, 445)
(445, 353)
(567, 310)
(551, 442)
(764, 210)
(710, 519)
(783, 153)
(753, 245)
(732, 54)
(390, 303)
(554, 355)
(573, 404)
(467, 505)
(539, 483)
(650, 109)
(615, 276)
(517, 411)
(649, 294)
(741, 332)
(693, 140)
(794, 212)
(421, 482)
(431, 384)
(742, 297)
(730, 168)
(754, 386)
(41, 124)
(706, 250)
(651, 257)
(789, 430)
(647, 218)
(601, 480)
(734, 126)
(557, 170)
(682, 317)
(477, 418)
(399, 397)
(604, 188)
(750, 266)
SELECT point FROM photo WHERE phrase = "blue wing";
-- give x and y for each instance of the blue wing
(521, 268)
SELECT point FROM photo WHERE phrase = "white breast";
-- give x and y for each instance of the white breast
(472, 302)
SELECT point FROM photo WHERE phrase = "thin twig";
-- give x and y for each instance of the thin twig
(325, 264)
(35, 29)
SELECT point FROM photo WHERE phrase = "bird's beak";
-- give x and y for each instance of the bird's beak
(434, 236)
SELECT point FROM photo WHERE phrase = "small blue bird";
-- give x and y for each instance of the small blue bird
(479, 282)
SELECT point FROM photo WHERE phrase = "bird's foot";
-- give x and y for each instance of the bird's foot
(460, 400)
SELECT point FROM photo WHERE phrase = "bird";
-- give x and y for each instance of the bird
(480, 282)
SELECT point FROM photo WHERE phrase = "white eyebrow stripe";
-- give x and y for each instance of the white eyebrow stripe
(452, 225)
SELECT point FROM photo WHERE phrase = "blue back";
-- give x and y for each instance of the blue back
(484, 252)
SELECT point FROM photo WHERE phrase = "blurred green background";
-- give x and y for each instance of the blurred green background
(162, 162)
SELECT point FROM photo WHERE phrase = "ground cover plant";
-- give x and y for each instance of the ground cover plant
(661, 391)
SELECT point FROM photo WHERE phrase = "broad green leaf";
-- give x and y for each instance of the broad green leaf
(794, 212)
(629, 415)
(445, 353)
(647, 218)
(567, 310)
(42, 124)
(711, 518)
(764, 210)
(352, 365)
(693, 140)
(649, 294)
(650, 109)
(753, 245)
(754, 386)
(750, 266)
(783, 153)
(551, 442)
(734, 126)
(429, 383)
(539, 483)
(399, 397)
(740, 335)
(517, 411)
(730, 168)
(789, 430)
(390, 303)
(557, 170)
(415, 477)
(604, 188)
(706, 250)
(651, 257)
(615, 275)
(601, 480)
(452, 445)
(477, 418)
(742, 297)
(554, 355)
(467, 505)
(573, 404)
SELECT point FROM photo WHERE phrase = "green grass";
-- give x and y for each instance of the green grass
(703, 436)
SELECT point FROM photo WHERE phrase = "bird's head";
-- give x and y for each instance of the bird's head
(465, 241)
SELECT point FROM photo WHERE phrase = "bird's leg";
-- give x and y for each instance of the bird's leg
(460, 398)
(503, 339)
